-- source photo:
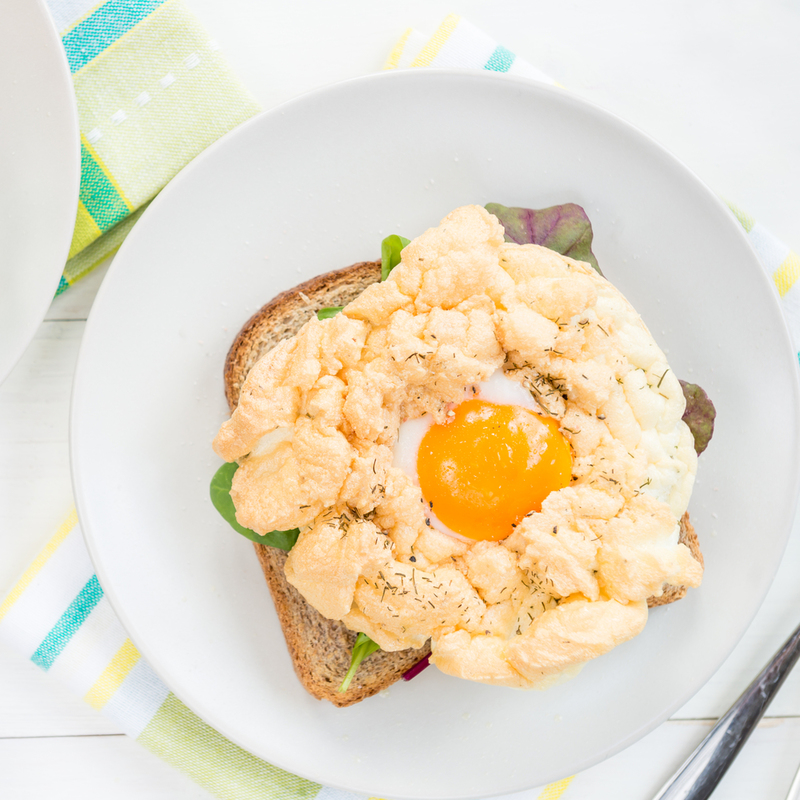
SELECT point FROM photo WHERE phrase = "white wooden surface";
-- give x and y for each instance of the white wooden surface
(717, 82)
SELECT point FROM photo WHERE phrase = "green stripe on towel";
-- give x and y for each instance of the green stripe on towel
(747, 222)
(77, 611)
(153, 91)
(182, 739)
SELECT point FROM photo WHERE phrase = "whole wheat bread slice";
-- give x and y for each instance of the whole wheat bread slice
(320, 648)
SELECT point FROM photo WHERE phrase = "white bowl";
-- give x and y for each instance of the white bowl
(40, 163)
(314, 185)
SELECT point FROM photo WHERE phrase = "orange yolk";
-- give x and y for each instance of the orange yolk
(490, 465)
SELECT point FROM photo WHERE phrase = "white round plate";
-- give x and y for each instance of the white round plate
(315, 185)
(40, 167)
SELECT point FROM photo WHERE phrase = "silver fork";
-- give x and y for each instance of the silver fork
(703, 770)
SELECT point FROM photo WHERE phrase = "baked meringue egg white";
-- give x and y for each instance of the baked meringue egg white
(486, 450)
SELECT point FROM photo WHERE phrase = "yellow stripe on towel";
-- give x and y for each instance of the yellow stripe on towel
(554, 790)
(113, 675)
(436, 42)
(86, 231)
(787, 273)
(33, 570)
(397, 51)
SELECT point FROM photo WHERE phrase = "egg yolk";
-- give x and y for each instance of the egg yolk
(489, 465)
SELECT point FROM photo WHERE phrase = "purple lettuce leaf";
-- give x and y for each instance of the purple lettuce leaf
(565, 229)
(699, 415)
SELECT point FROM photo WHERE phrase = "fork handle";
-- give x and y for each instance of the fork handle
(794, 789)
(703, 770)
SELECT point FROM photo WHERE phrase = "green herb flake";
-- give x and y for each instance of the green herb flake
(220, 491)
(363, 647)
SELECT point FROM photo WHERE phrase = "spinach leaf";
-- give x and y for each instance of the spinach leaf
(330, 311)
(390, 253)
(391, 247)
(363, 647)
(220, 491)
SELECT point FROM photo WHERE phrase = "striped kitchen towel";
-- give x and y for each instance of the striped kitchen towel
(58, 616)
(458, 44)
(153, 91)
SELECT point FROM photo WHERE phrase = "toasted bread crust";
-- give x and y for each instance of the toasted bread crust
(687, 536)
(320, 648)
(285, 314)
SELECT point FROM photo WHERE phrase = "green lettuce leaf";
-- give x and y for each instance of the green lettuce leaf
(565, 229)
(330, 311)
(363, 647)
(221, 498)
(699, 415)
(391, 247)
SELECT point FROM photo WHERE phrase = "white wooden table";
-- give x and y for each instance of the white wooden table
(717, 82)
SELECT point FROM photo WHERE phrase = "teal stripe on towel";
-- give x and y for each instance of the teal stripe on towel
(100, 197)
(500, 60)
(103, 27)
(58, 638)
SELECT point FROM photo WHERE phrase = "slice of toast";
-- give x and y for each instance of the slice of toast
(320, 648)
